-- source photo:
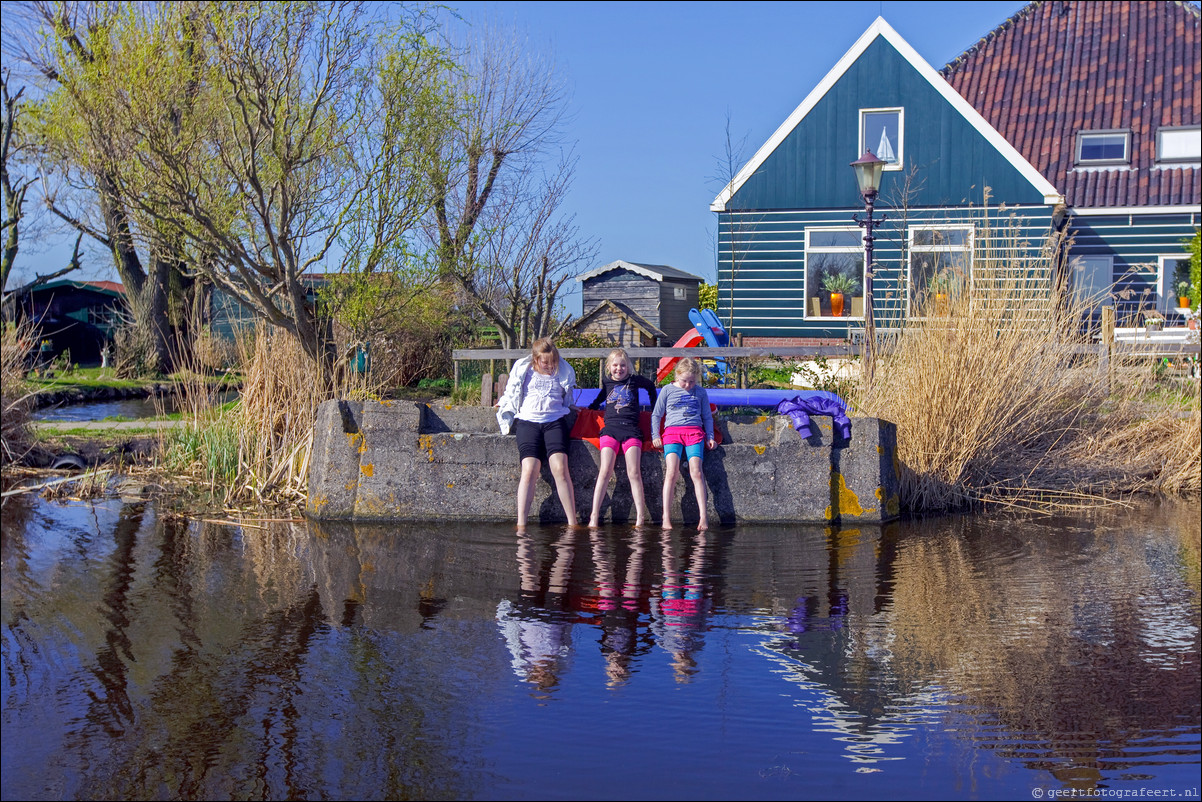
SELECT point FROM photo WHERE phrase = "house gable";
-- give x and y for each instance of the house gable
(805, 163)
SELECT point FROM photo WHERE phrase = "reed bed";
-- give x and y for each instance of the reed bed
(258, 450)
(995, 404)
(16, 345)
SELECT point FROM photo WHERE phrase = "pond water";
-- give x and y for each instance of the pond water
(131, 408)
(150, 655)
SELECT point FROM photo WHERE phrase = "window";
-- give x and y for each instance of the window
(1103, 147)
(678, 293)
(1091, 281)
(940, 266)
(834, 261)
(881, 132)
(1173, 271)
(1179, 144)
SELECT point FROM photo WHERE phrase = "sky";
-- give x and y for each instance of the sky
(651, 87)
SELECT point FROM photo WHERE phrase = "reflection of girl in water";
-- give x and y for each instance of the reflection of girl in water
(617, 604)
(680, 609)
(538, 628)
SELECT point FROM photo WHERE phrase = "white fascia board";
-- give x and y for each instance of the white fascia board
(1103, 210)
(621, 263)
(881, 28)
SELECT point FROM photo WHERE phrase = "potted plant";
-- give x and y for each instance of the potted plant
(939, 287)
(839, 285)
(1183, 294)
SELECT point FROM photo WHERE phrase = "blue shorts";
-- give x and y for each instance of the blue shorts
(690, 451)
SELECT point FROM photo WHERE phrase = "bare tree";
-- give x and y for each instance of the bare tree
(527, 252)
(496, 221)
(16, 184)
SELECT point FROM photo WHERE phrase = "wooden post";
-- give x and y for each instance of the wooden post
(455, 386)
(1107, 356)
(486, 390)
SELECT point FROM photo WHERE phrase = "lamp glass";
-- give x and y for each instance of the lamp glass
(868, 172)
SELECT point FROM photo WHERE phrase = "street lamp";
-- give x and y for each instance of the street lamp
(868, 176)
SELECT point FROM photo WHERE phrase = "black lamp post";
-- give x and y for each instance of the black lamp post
(868, 175)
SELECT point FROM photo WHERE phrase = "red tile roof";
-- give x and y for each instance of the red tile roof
(1056, 68)
(111, 286)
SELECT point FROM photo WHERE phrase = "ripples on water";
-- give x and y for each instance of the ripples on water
(147, 655)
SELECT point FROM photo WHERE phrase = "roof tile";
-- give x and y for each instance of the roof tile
(1056, 68)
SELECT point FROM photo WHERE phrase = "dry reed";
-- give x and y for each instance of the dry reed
(996, 403)
(258, 451)
(16, 345)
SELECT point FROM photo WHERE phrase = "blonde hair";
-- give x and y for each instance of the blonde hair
(687, 367)
(618, 353)
(543, 345)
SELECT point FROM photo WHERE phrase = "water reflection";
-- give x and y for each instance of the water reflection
(153, 655)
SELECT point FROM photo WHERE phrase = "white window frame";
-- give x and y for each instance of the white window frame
(1076, 263)
(901, 136)
(1082, 136)
(1193, 132)
(911, 249)
(860, 250)
(1166, 294)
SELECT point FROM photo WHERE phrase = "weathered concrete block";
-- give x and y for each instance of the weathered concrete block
(402, 461)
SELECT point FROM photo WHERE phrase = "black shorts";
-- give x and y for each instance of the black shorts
(541, 440)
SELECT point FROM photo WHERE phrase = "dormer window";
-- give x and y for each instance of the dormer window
(881, 132)
(1103, 147)
(1179, 144)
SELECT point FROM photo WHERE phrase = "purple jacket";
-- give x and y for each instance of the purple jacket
(816, 402)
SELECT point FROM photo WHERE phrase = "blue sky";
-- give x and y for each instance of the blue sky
(651, 85)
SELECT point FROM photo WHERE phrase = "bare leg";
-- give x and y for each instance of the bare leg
(530, 468)
(563, 485)
(671, 471)
(608, 458)
(634, 472)
(697, 472)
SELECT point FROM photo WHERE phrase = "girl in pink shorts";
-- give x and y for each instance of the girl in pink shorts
(621, 433)
(684, 409)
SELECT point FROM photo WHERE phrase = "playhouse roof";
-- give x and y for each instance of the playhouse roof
(656, 272)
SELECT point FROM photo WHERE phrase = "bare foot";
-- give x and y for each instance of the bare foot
(702, 525)
(593, 523)
(666, 524)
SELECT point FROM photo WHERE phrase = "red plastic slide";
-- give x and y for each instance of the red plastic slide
(687, 340)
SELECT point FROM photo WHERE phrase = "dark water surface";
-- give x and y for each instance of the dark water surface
(154, 656)
(132, 408)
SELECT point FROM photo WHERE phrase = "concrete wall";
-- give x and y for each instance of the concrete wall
(405, 461)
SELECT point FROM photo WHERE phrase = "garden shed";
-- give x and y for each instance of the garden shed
(637, 304)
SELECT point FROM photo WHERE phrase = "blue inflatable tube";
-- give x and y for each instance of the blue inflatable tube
(723, 397)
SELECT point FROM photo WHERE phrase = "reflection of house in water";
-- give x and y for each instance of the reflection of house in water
(973, 628)
(826, 596)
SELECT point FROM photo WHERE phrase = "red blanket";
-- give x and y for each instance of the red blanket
(590, 422)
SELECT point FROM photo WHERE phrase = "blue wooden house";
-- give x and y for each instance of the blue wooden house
(959, 193)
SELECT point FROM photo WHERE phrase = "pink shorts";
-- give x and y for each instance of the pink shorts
(684, 435)
(609, 442)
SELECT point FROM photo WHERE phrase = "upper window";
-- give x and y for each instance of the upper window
(834, 272)
(1104, 147)
(1181, 144)
(881, 132)
(940, 266)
